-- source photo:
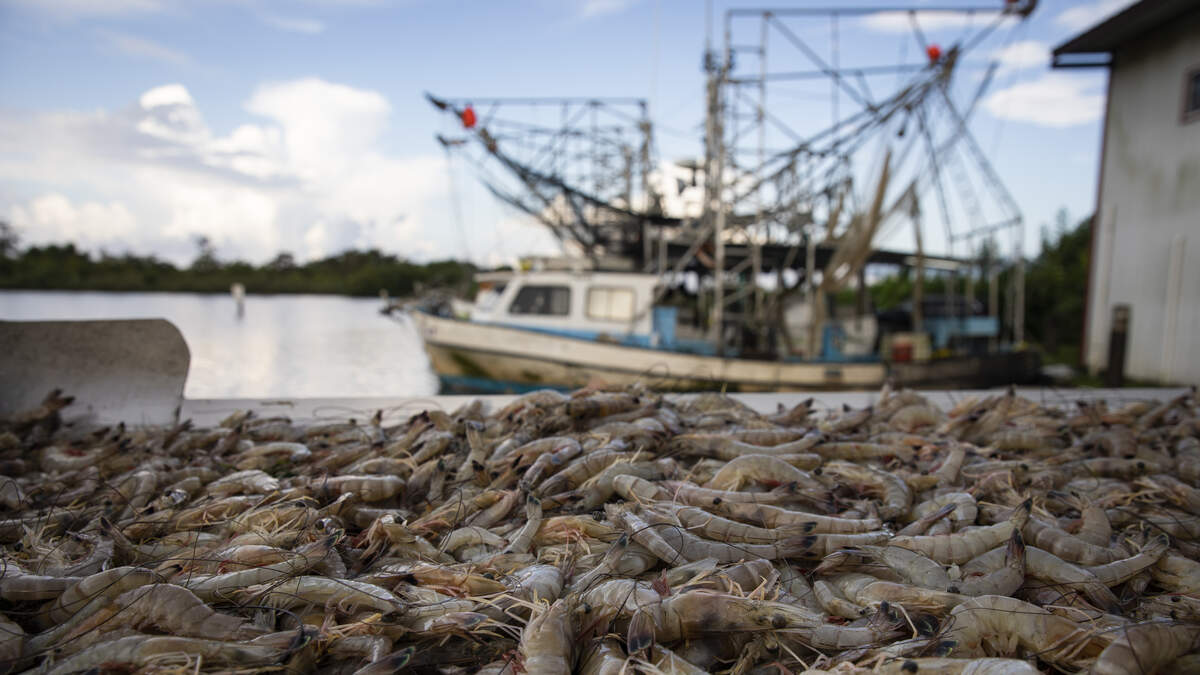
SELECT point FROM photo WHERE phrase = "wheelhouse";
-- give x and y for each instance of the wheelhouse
(590, 305)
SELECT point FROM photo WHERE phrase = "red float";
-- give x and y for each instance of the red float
(468, 117)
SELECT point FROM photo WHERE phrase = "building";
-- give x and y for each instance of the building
(1145, 250)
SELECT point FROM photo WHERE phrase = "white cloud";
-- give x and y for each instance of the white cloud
(165, 95)
(308, 177)
(592, 8)
(136, 46)
(901, 22)
(1053, 100)
(1090, 14)
(327, 125)
(1021, 55)
(52, 218)
(294, 24)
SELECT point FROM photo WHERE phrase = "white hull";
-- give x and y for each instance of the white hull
(464, 349)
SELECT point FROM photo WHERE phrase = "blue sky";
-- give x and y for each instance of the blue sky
(265, 125)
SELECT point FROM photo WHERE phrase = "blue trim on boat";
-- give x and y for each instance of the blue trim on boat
(624, 339)
(462, 384)
(690, 347)
(697, 347)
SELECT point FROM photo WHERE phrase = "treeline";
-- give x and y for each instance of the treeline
(1055, 288)
(64, 267)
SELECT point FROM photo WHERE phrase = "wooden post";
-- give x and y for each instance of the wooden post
(1115, 375)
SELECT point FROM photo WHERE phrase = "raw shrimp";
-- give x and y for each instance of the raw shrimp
(368, 488)
(321, 590)
(109, 584)
(697, 613)
(604, 657)
(139, 650)
(1001, 624)
(965, 508)
(925, 524)
(858, 451)
(1002, 581)
(766, 470)
(894, 493)
(1146, 647)
(944, 666)
(581, 469)
(698, 496)
(523, 539)
(252, 481)
(547, 643)
(721, 529)
(1066, 545)
(730, 447)
(769, 516)
(963, 546)
(172, 609)
(1120, 571)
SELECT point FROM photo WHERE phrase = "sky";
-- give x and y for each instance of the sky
(300, 125)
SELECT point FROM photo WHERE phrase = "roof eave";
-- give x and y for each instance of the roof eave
(1091, 46)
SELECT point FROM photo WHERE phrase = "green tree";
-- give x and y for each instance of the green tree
(206, 255)
(8, 240)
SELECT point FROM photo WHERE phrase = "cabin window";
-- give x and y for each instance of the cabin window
(1191, 96)
(542, 300)
(610, 304)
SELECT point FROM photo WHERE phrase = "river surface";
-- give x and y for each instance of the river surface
(283, 346)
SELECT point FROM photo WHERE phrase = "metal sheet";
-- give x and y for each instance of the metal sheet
(130, 371)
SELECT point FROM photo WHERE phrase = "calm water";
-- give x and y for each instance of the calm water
(288, 345)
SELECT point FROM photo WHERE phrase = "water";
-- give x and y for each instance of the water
(284, 345)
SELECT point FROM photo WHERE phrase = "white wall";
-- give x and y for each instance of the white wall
(1147, 245)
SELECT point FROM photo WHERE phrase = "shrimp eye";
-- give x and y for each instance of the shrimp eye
(817, 471)
(910, 667)
(18, 547)
(1141, 466)
(953, 589)
(1174, 598)
(494, 474)
(778, 621)
(716, 500)
(108, 502)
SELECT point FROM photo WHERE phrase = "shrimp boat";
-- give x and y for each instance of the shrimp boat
(748, 269)
(567, 329)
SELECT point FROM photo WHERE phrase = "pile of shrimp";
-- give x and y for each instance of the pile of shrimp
(608, 532)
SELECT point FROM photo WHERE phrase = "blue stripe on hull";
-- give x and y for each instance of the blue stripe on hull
(462, 384)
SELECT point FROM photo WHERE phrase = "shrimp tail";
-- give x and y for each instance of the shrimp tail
(640, 635)
(1016, 548)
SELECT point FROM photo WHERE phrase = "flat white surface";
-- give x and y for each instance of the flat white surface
(204, 412)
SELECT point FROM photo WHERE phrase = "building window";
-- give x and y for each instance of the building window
(610, 304)
(542, 300)
(1191, 96)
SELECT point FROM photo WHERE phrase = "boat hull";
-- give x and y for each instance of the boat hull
(462, 352)
(473, 357)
